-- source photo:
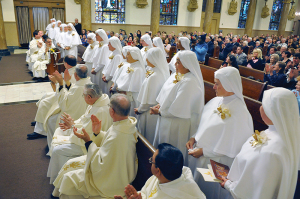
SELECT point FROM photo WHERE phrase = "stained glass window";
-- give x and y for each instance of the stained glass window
(217, 6)
(243, 13)
(110, 11)
(275, 15)
(168, 12)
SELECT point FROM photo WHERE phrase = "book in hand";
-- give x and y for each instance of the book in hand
(215, 172)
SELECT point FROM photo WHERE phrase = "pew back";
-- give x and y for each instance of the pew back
(144, 151)
(252, 105)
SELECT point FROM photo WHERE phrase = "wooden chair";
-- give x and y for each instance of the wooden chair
(216, 52)
(144, 151)
(171, 53)
(252, 105)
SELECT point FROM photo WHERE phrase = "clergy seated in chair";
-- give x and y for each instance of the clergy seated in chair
(111, 160)
(35, 44)
(69, 99)
(170, 180)
(65, 145)
(224, 127)
(40, 66)
(50, 99)
(267, 165)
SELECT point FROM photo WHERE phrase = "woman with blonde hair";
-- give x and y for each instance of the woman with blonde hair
(255, 60)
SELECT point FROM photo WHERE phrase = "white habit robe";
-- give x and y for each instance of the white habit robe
(109, 167)
(145, 49)
(60, 39)
(88, 55)
(70, 102)
(100, 60)
(221, 139)
(131, 83)
(72, 41)
(151, 87)
(182, 187)
(110, 69)
(181, 105)
(101, 110)
(270, 169)
(45, 103)
(33, 51)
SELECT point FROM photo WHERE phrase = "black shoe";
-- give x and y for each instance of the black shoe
(35, 78)
(33, 123)
(53, 196)
(34, 135)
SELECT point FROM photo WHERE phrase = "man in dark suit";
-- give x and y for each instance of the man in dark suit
(78, 27)
(226, 49)
(250, 42)
(234, 42)
(210, 45)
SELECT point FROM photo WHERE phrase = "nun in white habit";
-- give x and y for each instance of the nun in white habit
(147, 44)
(155, 79)
(100, 58)
(183, 44)
(115, 59)
(269, 169)
(72, 41)
(51, 31)
(57, 31)
(181, 101)
(120, 68)
(224, 127)
(90, 51)
(50, 25)
(157, 42)
(60, 39)
(132, 77)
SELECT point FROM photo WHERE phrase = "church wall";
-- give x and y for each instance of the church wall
(10, 24)
(262, 23)
(72, 11)
(226, 20)
(186, 18)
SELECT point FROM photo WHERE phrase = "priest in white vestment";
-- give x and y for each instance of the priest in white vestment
(34, 46)
(124, 64)
(72, 41)
(40, 66)
(115, 60)
(170, 180)
(65, 145)
(131, 79)
(49, 100)
(111, 161)
(181, 101)
(224, 127)
(183, 44)
(89, 52)
(156, 76)
(101, 57)
(69, 100)
(267, 165)
(147, 44)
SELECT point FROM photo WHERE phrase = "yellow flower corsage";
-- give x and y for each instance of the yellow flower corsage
(178, 78)
(120, 65)
(259, 138)
(223, 111)
(111, 57)
(100, 44)
(130, 70)
(149, 73)
(73, 34)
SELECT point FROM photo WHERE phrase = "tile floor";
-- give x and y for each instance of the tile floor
(23, 92)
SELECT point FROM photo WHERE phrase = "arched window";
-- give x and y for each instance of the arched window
(168, 12)
(243, 13)
(217, 6)
(110, 11)
(275, 15)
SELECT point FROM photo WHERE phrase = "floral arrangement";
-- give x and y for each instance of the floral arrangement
(259, 138)
(223, 111)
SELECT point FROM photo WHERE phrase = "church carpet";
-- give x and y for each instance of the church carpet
(23, 163)
(14, 69)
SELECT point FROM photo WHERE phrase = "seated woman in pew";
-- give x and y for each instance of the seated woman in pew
(276, 76)
(230, 61)
(286, 57)
(255, 60)
(270, 66)
(267, 165)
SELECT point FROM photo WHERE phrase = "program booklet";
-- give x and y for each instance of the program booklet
(214, 172)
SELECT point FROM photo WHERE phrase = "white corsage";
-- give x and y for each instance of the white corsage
(178, 78)
(259, 138)
(130, 70)
(223, 111)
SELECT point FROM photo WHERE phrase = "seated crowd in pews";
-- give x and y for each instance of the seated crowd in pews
(102, 115)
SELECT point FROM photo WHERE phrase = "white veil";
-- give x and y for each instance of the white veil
(156, 57)
(147, 39)
(103, 35)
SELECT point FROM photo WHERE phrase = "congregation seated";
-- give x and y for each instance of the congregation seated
(170, 180)
(110, 163)
(276, 76)
(255, 61)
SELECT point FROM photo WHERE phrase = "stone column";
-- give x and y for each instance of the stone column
(250, 18)
(155, 15)
(209, 12)
(86, 21)
(3, 46)
(284, 16)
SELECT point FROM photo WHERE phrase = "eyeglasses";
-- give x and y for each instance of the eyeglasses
(150, 161)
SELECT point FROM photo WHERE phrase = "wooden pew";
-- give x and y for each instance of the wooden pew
(251, 88)
(216, 52)
(252, 105)
(244, 71)
(144, 151)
